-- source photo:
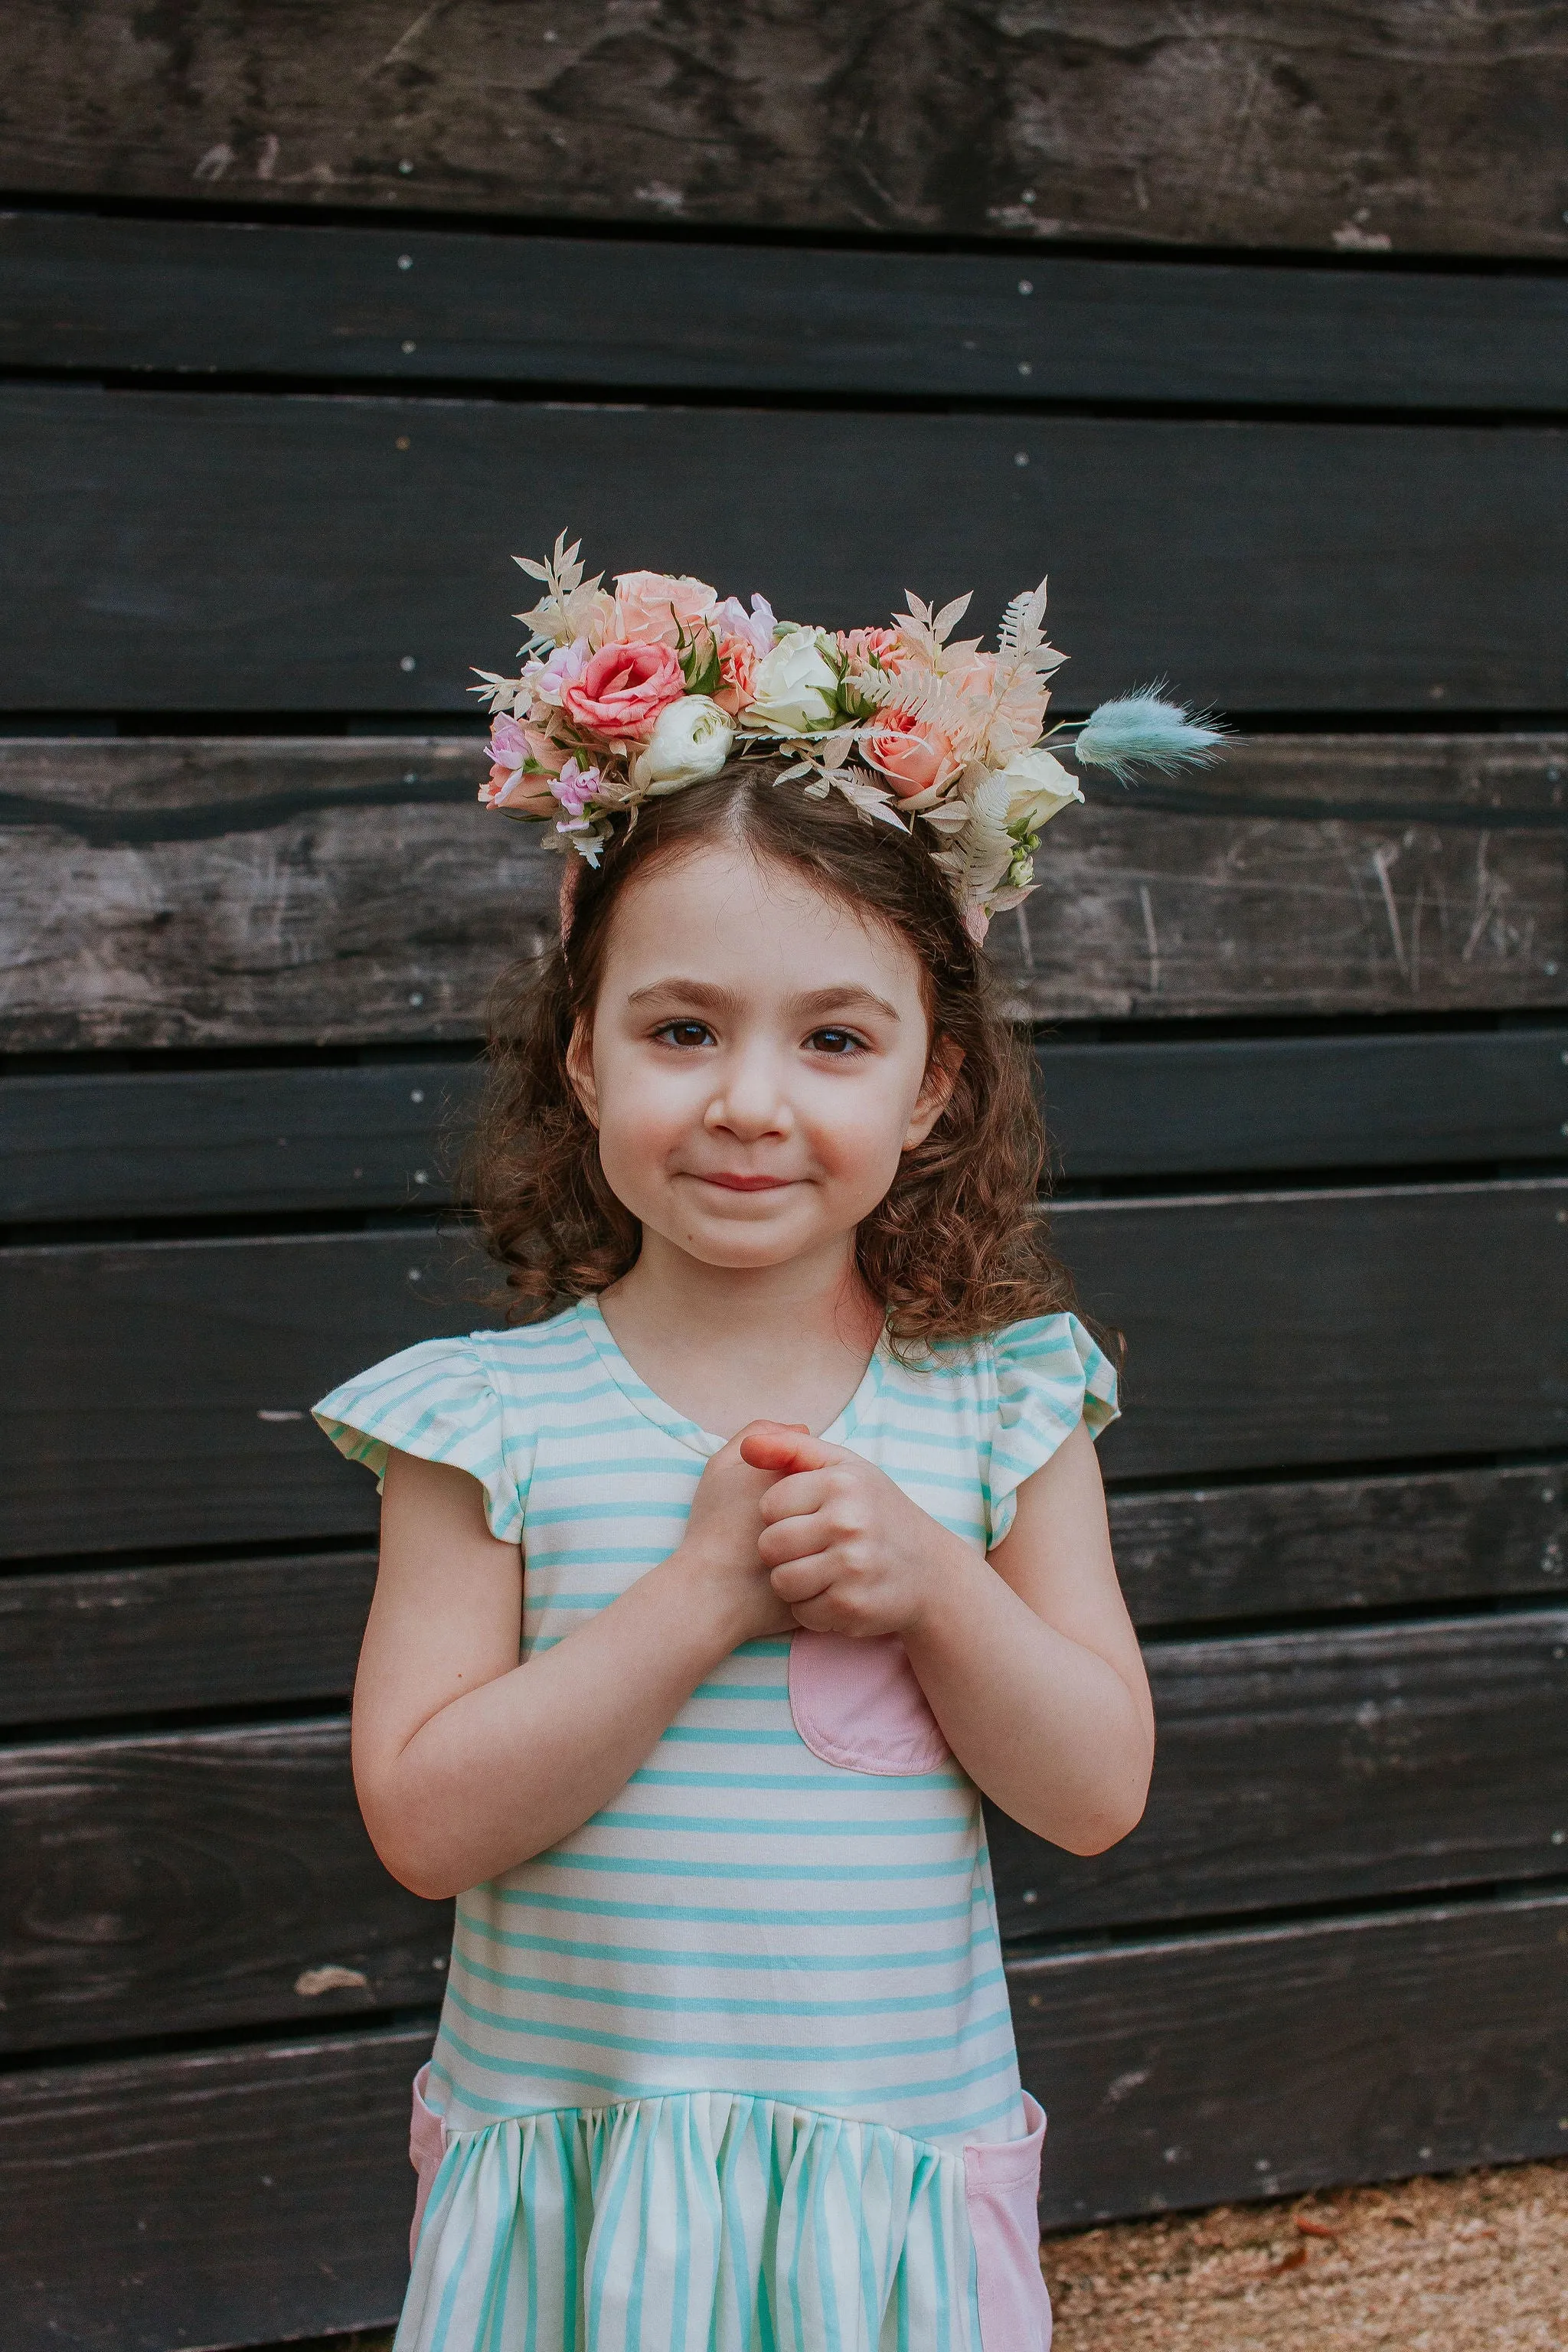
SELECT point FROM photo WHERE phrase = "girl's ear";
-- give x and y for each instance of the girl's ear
(936, 1090)
(580, 1070)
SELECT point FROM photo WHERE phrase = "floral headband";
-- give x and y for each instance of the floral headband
(625, 697)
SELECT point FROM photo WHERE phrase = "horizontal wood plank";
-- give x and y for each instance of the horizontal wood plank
(179, 1880)
(1332, 1767)
(203, 1878)
(232, 891)
(236, 2196)
(171, 1143)
(183, 1633)
(1288, 1547)
(1179, 2072)
(80, 1643)
(160, 1388)
(1254, 2064)
(192, 552)
(221, 297)
(1384, 127)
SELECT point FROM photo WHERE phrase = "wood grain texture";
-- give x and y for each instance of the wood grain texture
(185, 1880)
(180, 1634)
(1291, 1547)
(1201, 2070)
(171, 1143)
(1269, 1330)
(1368, 125)
(172, 1881)
(160, 1388)
(238, 891)
(1334, 1767)
(423, 305)
(191, 552)
(236, 2196)
(389, 1135)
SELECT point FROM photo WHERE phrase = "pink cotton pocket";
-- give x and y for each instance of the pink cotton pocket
(857, 1705)
(426, 2148)
(1002, 2184)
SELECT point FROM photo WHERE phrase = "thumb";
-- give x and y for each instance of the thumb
(785, 1446)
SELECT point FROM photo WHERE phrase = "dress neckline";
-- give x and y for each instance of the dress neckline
(679, 1425)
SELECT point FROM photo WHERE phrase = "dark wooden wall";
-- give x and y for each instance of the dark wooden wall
(1253, 330)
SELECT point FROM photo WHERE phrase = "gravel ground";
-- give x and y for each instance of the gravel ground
(1478, 2262)
(1474, 2263)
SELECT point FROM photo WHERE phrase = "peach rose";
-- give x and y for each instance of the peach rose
(980, 677)
(652, 607)
(860, 648)
(506, 786)
(737, 674)
(623, 690)
(913, 754)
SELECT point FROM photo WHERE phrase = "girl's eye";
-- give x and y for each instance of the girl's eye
(839, 1041)
(684, 1033)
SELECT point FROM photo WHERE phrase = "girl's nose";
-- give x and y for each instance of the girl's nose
(750, 1102)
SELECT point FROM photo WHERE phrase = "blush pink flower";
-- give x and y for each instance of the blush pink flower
(506, 786)
(861, 647)
(622, 689)
(574, 787)
(911, 753)
(737, 674)
(654, 607)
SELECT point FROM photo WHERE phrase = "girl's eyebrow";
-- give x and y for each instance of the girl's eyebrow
(843, 996)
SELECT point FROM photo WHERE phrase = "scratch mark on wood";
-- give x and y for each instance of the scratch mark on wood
(1153, 936)
(1382, 859)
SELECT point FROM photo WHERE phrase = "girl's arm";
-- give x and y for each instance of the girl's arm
(467, 1763)
(1028, 1659)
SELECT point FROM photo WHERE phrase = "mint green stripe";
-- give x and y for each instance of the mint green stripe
(721, 1826)
(819, 1872)
(664, 1956)
(720, 1915)
(796, 2053)
(674, 2004)
(806, 1783)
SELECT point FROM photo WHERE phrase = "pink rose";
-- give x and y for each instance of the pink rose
(737, 674)
(861, 647)
(506, 786)
(980, 677)
(652, 607)
(623, 690)
(911, 754)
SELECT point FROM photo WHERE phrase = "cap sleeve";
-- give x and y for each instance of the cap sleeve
(435, 1400)
(1050, 1377)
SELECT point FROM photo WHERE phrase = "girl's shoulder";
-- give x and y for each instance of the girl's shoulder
(1028, 1386)
(470, 1401)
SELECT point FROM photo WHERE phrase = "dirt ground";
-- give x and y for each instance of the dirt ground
(1474, 2263)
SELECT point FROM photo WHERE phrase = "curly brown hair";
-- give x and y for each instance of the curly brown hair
(956, 1250)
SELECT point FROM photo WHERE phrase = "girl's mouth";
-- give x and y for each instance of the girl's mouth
(748, 1184)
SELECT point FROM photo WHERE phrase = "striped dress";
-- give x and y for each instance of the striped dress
(730, 2068)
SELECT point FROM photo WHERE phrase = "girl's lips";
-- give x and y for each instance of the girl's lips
(748, 1184)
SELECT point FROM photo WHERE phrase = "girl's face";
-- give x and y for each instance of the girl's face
(757, 1060)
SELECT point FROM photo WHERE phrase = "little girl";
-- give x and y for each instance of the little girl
(715, 1592)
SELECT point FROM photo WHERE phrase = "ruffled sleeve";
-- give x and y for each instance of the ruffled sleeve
(1050, 1377)
(437, 1401)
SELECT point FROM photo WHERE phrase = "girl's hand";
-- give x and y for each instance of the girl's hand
(848, 1552)
(720, 1543)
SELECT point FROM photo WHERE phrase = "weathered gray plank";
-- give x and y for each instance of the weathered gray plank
(205, 296)
(159, 1389)
(176, 1880)
(1195, 2069)
(222, 2197)
(1388, 124)
(185, 1633)
(189, 552)
(1334, 1767)
(1285, 1549)
(389, 1134)
(202, 1879)
(236, 891)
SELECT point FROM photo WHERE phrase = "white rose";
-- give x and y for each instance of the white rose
(795, 685)
(690, 741)
(1038, 788)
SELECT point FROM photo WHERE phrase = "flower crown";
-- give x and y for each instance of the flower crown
(625, 697)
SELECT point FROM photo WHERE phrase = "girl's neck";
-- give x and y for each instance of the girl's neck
(725, 1345)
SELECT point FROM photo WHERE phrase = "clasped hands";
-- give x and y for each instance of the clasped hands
(841, 1548)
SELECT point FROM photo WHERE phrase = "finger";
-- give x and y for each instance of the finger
(793, 1497)
(778, 1445)
(797, 1538)
(802, 1580)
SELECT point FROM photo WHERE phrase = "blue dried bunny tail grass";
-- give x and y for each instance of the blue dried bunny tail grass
(1142, 731)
